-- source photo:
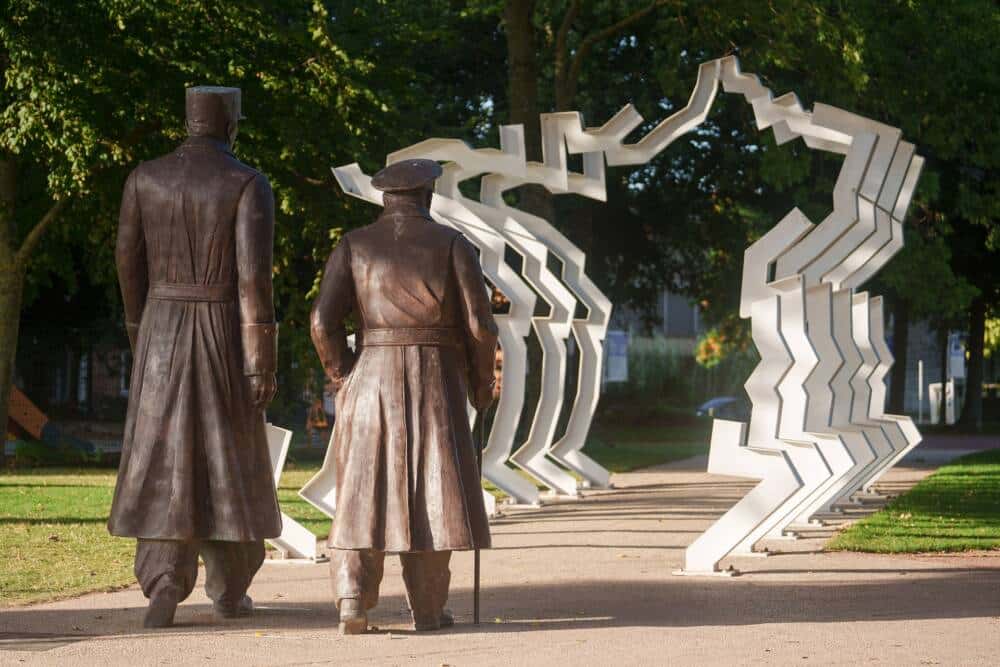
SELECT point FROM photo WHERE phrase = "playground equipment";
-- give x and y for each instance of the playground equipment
(25, 420)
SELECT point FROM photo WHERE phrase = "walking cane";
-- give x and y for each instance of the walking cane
(475, 563)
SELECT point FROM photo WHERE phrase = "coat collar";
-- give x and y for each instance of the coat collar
(205, 143)
(406, 208)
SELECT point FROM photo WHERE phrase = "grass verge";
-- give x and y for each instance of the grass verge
(54, 542)
(625, 448)
(955, 509)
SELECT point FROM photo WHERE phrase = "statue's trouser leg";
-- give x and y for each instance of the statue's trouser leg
(357, 573)
(229, 568)
(160, 563)
(427, 578)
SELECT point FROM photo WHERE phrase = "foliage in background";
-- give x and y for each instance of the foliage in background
(721, 341)
(662, 373)
(992, 336)
(683, 221)
(91, 88)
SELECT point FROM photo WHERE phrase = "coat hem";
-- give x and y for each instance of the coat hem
(214, 537)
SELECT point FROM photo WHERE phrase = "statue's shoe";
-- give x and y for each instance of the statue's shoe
(241, 609)
(445, 620)
(162, 606)
(353, 619)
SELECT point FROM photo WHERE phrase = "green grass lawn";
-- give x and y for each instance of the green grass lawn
(624, 448)
(53, 539)
(955, 509)
(53, 536)
(54, 543)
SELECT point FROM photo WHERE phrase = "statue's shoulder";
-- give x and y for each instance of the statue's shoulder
(150, 170)
(242, 172)
(245, 169)
(448, 235)
(357, 236)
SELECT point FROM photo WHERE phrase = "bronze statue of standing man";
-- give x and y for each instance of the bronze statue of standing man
(407, 479)
(194, 250)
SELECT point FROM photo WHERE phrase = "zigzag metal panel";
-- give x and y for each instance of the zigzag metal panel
(817, 433)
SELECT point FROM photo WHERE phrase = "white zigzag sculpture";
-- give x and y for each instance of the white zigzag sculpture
(818, 432)
(818, 394)
(296, 541)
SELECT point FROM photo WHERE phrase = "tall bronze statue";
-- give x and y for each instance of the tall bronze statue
(407, 479)
(194, 251)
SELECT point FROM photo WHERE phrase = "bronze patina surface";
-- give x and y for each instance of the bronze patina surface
(407, 480)
(194, 253)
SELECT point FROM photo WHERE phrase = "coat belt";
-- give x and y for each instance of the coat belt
(191, 292)
(439, 336)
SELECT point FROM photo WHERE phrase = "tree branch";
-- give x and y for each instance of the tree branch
(310, 180)
(573, 76)
(138, 133)
(35, 235)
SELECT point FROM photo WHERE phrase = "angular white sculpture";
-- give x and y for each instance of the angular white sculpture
(870, 404)
(877, 381)
(818, 432)
(296, 541)
(820, 381)
(844, 454)
(730, 455)
(768, 303)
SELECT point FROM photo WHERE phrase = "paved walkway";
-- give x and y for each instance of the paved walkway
(583, 582)
(940, 448)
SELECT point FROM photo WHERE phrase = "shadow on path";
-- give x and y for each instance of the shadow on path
(673, 602)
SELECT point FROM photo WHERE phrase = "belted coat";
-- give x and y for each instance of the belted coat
(194, 253)
(407, 478)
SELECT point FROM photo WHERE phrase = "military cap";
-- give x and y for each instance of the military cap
(209, 104)
(407, 175)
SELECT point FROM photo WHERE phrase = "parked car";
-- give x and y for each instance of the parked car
(725, 407)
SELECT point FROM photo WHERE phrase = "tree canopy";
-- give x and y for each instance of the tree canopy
(92, 88)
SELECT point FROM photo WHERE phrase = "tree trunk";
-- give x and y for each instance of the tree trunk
(13, 268)
(11, 286)
(522, 94)
(972, 413)
(900, 340)
(522, 72)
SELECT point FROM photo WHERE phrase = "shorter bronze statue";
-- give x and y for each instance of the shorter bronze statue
(407, 479)
(194, 248)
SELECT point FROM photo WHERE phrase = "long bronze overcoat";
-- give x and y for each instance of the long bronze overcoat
(194, 255)
(406, 472)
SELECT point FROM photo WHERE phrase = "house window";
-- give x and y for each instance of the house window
(83, 380)
(59, 386)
